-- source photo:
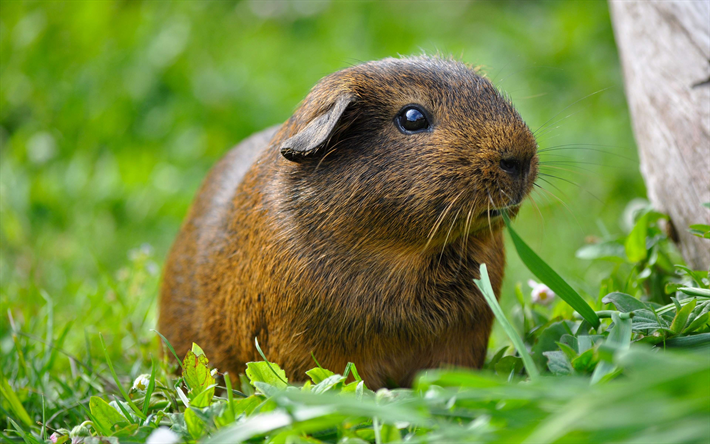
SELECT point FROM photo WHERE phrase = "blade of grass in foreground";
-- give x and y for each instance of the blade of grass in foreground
(13, 401)
(118, 382)
(150, 388)
(549, 277)
(484, 284)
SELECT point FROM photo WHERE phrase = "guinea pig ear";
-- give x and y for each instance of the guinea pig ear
(311, 139)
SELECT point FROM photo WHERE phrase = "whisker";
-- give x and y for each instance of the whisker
(584, 147)
(546, 155)
(549, 133)
(572, 161)
(569, 210)
(473, 212)
(535, 67)
(542, 177)
(572, 171)
(510, 199)
(434, 228)
(548, 137)
(440, 219)
(464, 243)
(534, 204)
(538, 189)
(488, 212)
(534, 96)
(570, 182)
(443, 247)
(503, 79)
(540, 136)
(577, 164)
(532, 200)
(572, 104)
(500, 71)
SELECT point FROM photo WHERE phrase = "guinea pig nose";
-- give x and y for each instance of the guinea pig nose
(512, 166)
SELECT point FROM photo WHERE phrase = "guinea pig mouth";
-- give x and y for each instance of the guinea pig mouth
(496, 212)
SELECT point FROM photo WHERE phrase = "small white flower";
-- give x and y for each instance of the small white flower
(541, 293)
(163, 435)
(141, 383)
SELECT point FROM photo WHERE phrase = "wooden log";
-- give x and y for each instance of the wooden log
(665, 54)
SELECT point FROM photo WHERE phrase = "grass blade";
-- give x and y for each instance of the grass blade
(170, 347)
(256, 341)
(484, 284)
(151, 387)
(123, 410)
(28, 438)
(14, 402)
(118, 382)
(549, 277)
(44, 421)
(56, 346)
(98, 425)
(230, 396)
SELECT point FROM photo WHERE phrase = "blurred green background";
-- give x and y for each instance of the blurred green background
(112, 112)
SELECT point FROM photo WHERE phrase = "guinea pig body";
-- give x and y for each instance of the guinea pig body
(354, 230)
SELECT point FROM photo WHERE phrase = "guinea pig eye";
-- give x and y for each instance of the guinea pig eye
(412, 119)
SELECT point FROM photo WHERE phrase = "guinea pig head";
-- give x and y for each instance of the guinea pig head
(409, 152)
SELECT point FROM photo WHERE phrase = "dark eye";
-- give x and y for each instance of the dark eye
(411, 119)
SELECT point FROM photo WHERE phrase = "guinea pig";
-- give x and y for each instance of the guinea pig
(354, 231)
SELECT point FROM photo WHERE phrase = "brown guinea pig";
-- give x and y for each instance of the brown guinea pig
(354, 230)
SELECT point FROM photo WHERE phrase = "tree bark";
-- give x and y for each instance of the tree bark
(665, 54)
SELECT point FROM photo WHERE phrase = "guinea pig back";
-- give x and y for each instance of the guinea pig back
(354, 230)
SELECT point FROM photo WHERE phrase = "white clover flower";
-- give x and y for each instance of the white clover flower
(163, 435)
(541, 293)
(141, 383)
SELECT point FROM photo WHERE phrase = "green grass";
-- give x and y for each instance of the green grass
(112, 112)
(639, 376)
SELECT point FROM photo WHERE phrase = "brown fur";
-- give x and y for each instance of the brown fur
(364, 245)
